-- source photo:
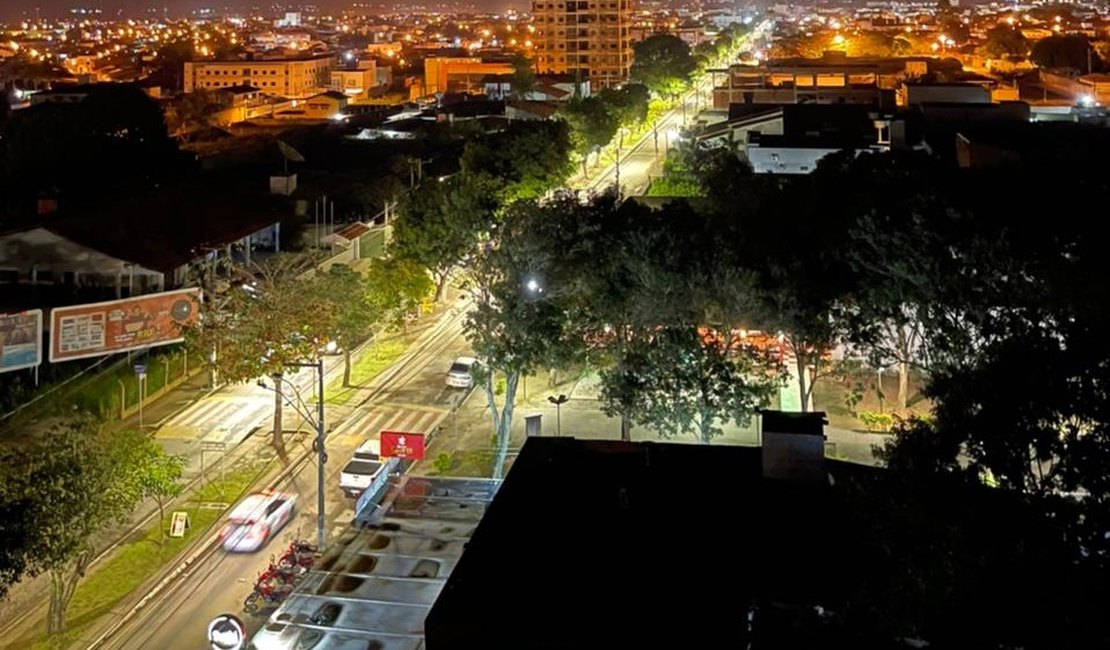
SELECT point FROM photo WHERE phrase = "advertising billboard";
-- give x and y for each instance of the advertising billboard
(398, 444)
(20, 340)
(137, 323)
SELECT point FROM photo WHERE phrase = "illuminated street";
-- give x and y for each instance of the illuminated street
(412, 398)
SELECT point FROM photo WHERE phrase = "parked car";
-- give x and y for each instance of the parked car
(369, 450)
(461, 373)
(358, 475)
(256, 519)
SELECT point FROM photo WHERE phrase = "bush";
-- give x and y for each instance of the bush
(443, 463)
(873, 421)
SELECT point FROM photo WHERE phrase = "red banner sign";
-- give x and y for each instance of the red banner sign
(136, 323)
(398, 444)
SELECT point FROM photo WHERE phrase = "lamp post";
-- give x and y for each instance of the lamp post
(321, 455)
(558, 401)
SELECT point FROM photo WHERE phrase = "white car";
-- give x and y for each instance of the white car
(461, 373)
(369, 450)
(256, 519)
(357, 475)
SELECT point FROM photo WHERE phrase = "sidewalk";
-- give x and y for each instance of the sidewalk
(467, 436)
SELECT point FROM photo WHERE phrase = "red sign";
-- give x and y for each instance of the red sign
(136, 323)
(398, 444)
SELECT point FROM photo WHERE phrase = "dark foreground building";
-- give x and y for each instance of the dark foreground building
(595, 544)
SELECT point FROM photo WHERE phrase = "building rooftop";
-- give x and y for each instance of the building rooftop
(597, 544)
(374, 587)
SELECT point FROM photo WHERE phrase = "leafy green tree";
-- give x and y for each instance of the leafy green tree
(528, 159)
(592, 125)
(274, 314)
(193, 112)
(67, 487)
(161, 479)
(629, 103)
(1005, 41)
(395, 287)
(522, 83)
(690, 382)
(343, 289)
(517, 324)
(441, 223)
(663, 63)
(371, 196)
(1071, 51)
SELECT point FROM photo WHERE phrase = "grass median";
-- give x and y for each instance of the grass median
(145, 554)
(371, 364)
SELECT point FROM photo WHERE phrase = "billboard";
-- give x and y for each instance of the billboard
(137, 323)
(398, 444)
(20, 340)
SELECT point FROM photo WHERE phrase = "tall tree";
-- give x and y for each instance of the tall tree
(522, 83)
(663, 63)
(592, 125)
(67, 487)
(1071, 51)
(1005, 41)
(396, 287)
(518, 321)
(528, 159)
(441, 223)
(274, 314)
(343, 288)
(629, 103)
(690, 381)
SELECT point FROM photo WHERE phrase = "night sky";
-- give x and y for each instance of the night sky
(13, 9)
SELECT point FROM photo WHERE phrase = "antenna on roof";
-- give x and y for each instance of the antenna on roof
(289, 153)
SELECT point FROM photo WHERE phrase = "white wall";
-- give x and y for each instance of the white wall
(785, 160)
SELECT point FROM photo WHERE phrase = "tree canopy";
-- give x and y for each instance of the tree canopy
(1070, 51)
(527, 159)
(663, 63)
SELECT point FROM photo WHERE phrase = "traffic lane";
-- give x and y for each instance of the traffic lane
(425, 385)
(222, 581)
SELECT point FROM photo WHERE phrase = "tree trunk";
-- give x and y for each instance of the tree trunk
(346, 367)
(63, 584)
(277, 440)
(626, 428)
(803, 389)
(503, 422)
(161, 519)
(903, 384)
(441, 285)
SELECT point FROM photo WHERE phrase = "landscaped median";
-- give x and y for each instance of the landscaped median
(145, 554)
(371, 363)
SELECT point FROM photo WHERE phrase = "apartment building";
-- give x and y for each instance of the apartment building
(291, 77)
(587, 39)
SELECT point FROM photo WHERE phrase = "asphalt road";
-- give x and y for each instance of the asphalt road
(413, 398)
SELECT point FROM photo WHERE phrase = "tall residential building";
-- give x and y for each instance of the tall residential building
(585, 38)
(294, 78)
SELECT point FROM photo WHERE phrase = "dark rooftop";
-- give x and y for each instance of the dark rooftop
(595, 544)
(598, 544)
(171, 226)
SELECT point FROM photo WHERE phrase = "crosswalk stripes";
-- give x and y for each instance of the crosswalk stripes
(372, 421)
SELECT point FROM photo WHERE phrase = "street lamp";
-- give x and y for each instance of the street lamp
(304, 411)
(558, 402)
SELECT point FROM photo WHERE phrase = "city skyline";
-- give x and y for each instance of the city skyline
(15, 10)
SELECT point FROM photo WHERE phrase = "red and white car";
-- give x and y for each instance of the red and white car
(256, 519)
